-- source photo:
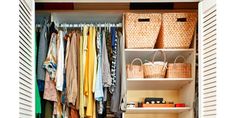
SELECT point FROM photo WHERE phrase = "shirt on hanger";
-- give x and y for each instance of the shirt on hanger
(71, 71)
(60, 63)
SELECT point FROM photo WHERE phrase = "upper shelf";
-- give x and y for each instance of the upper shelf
(157, 110)
(86, 17)
(157, 83)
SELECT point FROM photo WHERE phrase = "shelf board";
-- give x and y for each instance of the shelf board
(157, 110)
(147, 54)
(166, 50)
(157, 83)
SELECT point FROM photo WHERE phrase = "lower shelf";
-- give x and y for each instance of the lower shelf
(157, 83)
(157, 110)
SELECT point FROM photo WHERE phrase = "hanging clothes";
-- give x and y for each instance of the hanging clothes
(98, 95)
(115, 100)
(73, 113)
(60, 63)
(37, 95)
(71, 71)
(114, 59)
(50, 64)
(50, 92)
(48, 109)
(89, 72)
(84, 74)
(106, 74)
(58, 105)
(78, 36)
(42, 53)
(83, 51)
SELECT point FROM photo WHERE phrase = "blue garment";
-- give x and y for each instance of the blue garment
(114, 59)
(99, 86)
(40, 85)
(113, 41)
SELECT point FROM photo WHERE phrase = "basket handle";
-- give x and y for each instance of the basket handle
(163, 54)
(180, 56)
(181, 19)
(136, 59)
(143, 19)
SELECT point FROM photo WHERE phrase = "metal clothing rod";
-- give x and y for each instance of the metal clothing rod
(96, 25)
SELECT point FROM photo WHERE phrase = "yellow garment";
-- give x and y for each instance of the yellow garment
(83, 49)
(95, 72)
(95, 60)
(89, 72)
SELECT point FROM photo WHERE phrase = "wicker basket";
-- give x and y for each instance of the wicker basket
(155, 69)
(179, 70)
(177, 30)
(141, 30)
(134, 71)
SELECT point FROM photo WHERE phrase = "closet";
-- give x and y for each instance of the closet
(197, 92)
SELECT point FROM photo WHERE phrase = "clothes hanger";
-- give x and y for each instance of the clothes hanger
(52, 28)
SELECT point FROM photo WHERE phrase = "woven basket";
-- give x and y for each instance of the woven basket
(135, 71)
(141, 30)
(179, 70)
(177, 30)
(155, 69)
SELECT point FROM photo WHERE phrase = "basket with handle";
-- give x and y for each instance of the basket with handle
(134, 71)
(177, 30)
(155, 69)
(179, 70)
(141, 30)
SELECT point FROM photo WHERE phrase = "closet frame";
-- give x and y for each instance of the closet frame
(179, 90)
(185, 87)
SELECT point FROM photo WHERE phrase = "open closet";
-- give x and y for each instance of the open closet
(195, 91)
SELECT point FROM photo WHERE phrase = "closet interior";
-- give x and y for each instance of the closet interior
(71, 16)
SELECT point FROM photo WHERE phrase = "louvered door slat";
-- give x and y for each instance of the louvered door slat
(26, 89)
(207, 58)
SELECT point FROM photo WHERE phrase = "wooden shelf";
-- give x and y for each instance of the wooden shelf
(157, 110)
(157, 83)
(147, 54)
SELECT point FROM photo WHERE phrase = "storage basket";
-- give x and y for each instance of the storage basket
(155, 69)
(177, 30)
(135, 71)
(179, 70)
(141, 30)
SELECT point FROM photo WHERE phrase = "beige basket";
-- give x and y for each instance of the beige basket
(135, 71)
(155, 69)
(141, 30)
(177, 30)
(179, 70)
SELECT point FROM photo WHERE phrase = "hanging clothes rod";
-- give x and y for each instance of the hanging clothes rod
(82, 25)
(96, 25)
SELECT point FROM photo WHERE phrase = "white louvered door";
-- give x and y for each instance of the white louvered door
(207, 59)
(26, 57)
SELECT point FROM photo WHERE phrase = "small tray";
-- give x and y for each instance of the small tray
(158, 105)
